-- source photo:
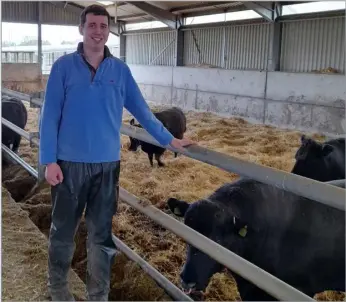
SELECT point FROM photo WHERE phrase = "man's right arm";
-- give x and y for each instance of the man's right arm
(51, 114)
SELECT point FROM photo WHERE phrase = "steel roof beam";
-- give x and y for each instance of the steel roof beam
(268, 10)
(160, 14)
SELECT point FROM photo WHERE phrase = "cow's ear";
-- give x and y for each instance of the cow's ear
(132, 122)
(178, 207)
(303, 138)
(326, 149)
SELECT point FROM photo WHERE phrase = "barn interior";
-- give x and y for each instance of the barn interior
(251, 77)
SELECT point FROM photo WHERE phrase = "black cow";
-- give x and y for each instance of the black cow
(300, 241)
(320, 161)
(14, 111)
(175, 122)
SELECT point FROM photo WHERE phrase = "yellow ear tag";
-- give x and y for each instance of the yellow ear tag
(243, 231)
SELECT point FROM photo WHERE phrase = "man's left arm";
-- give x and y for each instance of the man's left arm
(138, 107)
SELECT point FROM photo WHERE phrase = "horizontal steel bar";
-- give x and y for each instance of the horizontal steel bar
(22, 96)
(15, 128)
(15, 94)
(337, 182)
(8, 158)
(172, 290)
(306, 187)
(244, 268)
(20, 161)
(19, 130)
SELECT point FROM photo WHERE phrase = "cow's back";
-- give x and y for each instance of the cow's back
(338, 154)
(309, 243)
(14, 111)
(174, 120)
(316, 241)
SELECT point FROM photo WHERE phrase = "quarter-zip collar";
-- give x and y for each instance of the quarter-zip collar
(106, 54)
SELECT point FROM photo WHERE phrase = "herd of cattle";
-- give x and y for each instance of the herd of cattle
(300, 241)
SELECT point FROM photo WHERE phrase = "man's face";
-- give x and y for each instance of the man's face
(95, 32)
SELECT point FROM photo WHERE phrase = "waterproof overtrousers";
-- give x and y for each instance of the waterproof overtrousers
(95, 188)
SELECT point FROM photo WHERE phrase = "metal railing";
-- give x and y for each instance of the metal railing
(20, 161)
(244, 268)
(302, 186)
(321, 192)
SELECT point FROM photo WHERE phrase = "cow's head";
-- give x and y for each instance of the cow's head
(219, 225)
(310, 159)
(134, 142)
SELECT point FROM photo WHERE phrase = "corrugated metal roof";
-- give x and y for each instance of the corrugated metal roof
(129, 13)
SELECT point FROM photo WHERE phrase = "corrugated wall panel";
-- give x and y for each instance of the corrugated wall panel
(313, 44)
(22, 12)
(138, 49)
(145, 47)
(248, 46)
(163, 48)
(231, 47)
(203, 46)
(57, 16)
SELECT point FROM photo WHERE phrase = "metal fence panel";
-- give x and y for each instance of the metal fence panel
(18, 57)
(23, 12)
(138, 49)
(313, 44)
(204, 46)
(248, 46)
(56, 15)
(162, 48)
(26, 12)
(245, 46)
(143, 48)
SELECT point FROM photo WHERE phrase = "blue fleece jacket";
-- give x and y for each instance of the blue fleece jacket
(82, 115)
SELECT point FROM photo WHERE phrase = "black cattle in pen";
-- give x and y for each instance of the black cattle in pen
(174, 120)
(14, 111)
(320, 161)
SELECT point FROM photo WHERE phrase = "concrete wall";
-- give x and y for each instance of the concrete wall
(21, 77)
(301, 101)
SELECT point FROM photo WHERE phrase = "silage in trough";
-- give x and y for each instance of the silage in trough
(183, 178)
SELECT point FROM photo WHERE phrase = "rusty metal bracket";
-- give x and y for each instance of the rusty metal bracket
(36, 99)
(33, 135)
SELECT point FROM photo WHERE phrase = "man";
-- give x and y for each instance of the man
(80, 146)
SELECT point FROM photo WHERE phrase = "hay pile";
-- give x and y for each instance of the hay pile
(181, 178)
(326, 70)
(24, 257)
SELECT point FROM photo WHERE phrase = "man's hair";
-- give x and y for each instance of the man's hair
(96, 10)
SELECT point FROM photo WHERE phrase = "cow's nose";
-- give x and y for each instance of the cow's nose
(187, 286)
(188, 277)
(190, 290)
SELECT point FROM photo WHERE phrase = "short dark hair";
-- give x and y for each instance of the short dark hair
(94, 9)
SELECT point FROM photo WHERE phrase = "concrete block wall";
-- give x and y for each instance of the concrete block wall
(20, 72)
(21, 77)
(301, 101)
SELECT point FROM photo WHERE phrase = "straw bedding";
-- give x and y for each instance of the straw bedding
(182, 178)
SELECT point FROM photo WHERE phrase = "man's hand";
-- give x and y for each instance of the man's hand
(180, 143)
(53, 174)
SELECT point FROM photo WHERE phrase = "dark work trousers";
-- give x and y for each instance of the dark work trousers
(95, 188)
